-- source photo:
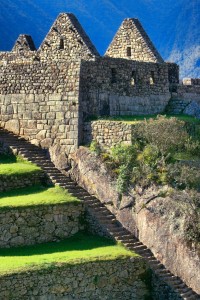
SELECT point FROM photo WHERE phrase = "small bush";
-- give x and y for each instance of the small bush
(169, 135)
(192, 146)
(95, 147)
(123, 179)
(183, 176)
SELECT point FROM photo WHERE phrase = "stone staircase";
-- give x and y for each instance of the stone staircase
(176, 106)
(107, 220)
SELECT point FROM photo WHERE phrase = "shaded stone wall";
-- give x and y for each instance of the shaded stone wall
(120, 87)
(40, 101)
(188, 91)
(108, 280)
(39, 224)
(14, 182)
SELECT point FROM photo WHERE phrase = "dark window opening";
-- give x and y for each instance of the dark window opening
(62, 46)
(152, 78)
(129, 51)
(133, 78)
(113, 75)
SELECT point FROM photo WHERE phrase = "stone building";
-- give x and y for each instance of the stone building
(47, 94)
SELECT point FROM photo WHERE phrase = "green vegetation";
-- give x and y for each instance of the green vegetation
(81, 248)
(35, 195)
(136, 119)
(164, 151)
(14, 165)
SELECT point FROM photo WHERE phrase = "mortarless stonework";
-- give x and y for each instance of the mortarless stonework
(15, 182)
(108, 280)
(39, 224)
(107, 133)
(132, 42)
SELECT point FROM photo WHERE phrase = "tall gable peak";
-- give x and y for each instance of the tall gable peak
(24, 43)
(68, 39)
(132, 42)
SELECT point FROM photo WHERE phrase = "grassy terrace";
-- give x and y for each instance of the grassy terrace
(14, 165)
(135, 119)
(81, 248)
(36, 195)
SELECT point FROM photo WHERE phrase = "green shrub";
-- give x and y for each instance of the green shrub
(149, 156)
(123, 179)
(168, 135)
(95, 147)
(123, 154)
(192, 146)
(183, 176)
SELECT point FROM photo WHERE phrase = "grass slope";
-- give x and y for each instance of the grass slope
(36, 195)
(15, 165)
(81, 248)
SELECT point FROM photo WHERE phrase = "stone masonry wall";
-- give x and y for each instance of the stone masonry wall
(108, 280)
(40, 101)
(119, 87)
(132, 42)
(107, 133)
(14, 182)
(39, 224)
(66, 40)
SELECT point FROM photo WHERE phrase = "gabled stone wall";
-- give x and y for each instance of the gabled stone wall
(132, 42)
(67, 40)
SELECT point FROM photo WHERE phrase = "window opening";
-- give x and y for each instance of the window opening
(133, 78)
(152, 78)
(62, 46)
(129, 51)
(113, 74)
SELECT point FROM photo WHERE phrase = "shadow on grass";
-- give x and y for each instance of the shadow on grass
(80, 242)
(7, 159)
(24, 191)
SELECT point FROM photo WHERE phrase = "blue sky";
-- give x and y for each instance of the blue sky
(173, 25)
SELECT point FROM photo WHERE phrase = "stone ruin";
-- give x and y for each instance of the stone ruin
(47, 95)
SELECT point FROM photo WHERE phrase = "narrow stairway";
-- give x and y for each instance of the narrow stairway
(37, 155)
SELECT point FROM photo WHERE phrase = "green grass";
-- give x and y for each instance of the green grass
(136, 119)
(35, 195)
(11, 165)
(81, 248)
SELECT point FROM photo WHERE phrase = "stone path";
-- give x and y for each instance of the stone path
(98, 210)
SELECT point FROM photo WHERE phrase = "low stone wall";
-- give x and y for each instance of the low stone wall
(101, 280)
(14, 182)
(39, 224)
(107, 133)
